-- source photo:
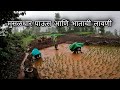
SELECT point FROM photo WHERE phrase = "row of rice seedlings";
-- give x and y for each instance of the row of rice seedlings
(66, 65)
(52, 61)
(55, 61)
(104, 55)
(59, 63)
(116, 53)
(63, 74)
(70, 71)
(98, 51)
(86, 56)
(59, 57)
(113, 55)
(67, 72)
(89, 57)
(59, 68)
(49, 68)
(118, 67)
(63, 65)
(80, 66)
(114, 50)
(93, 62)
(47, 62)
(76, 68)
(92, 54)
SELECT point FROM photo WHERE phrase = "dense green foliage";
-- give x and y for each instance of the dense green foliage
(10, 47)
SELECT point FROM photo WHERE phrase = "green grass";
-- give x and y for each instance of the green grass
(18, 33)
(56, 34)
(84, 33)
(27, 41)
(50, 34)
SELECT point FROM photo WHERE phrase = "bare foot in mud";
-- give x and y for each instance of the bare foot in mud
(75, 53)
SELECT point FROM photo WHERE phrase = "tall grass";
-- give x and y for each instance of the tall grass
(27, 40)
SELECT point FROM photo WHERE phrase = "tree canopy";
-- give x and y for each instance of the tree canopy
(10, 46)
(10, 16)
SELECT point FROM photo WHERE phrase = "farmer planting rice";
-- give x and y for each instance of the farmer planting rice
(77, 50)
(76, 47)
(55, 41)
(36, 53)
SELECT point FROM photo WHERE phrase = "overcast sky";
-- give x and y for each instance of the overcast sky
(72, 15)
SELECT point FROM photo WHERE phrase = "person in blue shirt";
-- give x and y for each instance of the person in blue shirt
(36, 53)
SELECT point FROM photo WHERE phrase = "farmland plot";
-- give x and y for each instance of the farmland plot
(96, 62)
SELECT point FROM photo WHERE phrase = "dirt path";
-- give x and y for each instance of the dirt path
(26, 55)
(21, 74)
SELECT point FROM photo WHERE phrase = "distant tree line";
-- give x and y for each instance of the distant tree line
(71, 29)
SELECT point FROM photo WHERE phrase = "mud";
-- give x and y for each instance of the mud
(63, 49)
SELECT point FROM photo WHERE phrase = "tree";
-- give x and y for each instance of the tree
(70, 28)
(92, 29)
(36, 30)
(57, 18)
(119, 32)
(76, 29)
(62, 29)
(85, 29)
(102, 30)
(10, 46)
(15, 30)
(108, 33)
(9, 16)
(82, 29)
(115, 33)
(95, 30)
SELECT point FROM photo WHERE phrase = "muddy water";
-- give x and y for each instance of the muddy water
(62, 49)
